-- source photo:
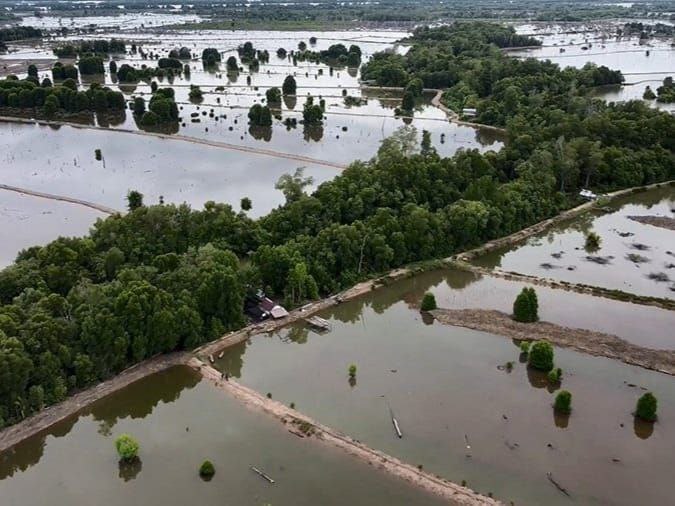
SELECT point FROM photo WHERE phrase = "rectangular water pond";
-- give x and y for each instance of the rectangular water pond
(463, 413)
(179, 422)
(632, 257)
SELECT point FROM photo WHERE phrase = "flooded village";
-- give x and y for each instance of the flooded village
(342, 261)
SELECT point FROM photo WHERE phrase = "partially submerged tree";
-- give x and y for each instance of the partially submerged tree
(563, 402)
(127, 447)
(526, 306)
(541, 356)
(207, 470)
(428, 302)
(293, 186)
(646, 407)
(592, 242)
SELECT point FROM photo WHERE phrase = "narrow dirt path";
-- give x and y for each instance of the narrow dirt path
(61, 198)
(305, 427)
(582, 340)
(454, 117)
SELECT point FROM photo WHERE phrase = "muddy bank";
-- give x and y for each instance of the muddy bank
(60, 198)
(584, 341)
(537, 228)
(567, 286)
(53, 414)
(655, 221)
(305, 427)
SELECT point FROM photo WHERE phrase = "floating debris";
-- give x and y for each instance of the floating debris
(640, 247)
(637, 259)
(548, 266)
(558, 255)
(659, 277)
(261, 474)
(557, 485)
(599, 260)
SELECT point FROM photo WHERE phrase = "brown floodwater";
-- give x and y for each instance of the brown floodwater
(179, 422)
(448, 388)
(636, 258)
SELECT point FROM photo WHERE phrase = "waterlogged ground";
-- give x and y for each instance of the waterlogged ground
(449, 389)
(633, 257)
(455, 289)
(27, 220)
(179, 422)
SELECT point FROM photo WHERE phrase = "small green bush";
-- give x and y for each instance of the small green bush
(206, 470)
(127, 447)
(592, 242)
(98, 154)
(525, 347)
(526, 306)
(541, 356)
(352, 371)
(563, 402)
(646, 407)
(428, 302)
(555, 375)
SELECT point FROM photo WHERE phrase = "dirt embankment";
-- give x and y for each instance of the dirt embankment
(655, 221)
(60, 198)
(305, 427)
(54, 414)
(585, 341)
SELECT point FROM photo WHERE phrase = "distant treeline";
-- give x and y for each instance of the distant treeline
(90, 47)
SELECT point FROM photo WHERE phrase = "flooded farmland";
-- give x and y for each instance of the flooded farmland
(179, 422)
(632, 257)
(462, 414)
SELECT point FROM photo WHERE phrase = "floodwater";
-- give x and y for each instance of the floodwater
(456, 289)
(463, 416)
(179, 422)
(637, 258)
(26, 221)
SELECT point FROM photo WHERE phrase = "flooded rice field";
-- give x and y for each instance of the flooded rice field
(632, 257)
(26, 221)
(463, 415)
(179, 422)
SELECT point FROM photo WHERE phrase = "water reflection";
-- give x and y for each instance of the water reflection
(643, 429)
(128, 470)
(135, 402)
(261, 133)
(561, 420)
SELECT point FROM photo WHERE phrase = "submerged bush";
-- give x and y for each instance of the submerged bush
(428, 302)
(206, 470)
(555, 375)
(352, 371)
(592, 242)
(563, 402)
(541, 356)
(127, 447)
(525, 347)
(646, 407)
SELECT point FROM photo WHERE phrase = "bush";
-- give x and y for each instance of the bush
(646, 407)
(526, 306)
(97, 154)
(127, 447)
(563, 402)
(555, 375)
(352, 371)
(290, 86)
(428, 302)
(541, 356)
(206, 470)
(592, 242)
(525, 347)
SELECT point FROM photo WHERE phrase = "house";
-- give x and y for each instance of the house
(259, 307)
(272, 308)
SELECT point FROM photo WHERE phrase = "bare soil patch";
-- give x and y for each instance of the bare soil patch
(655, 221)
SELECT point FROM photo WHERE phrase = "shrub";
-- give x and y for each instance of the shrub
(541, 356)
(526, 306)
(352, 371)
(206, 470)
(555, 375)
(428, 302)
(127, 447)
(97, 154)
(563, 402)
(525, 347)
(592, 242)
(290, 86)
(646, 407)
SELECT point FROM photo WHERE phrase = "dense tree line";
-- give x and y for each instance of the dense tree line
(59, 99)
(337, 54)
(90, 47)
(162, 109)
(168, 277)
(19, 33)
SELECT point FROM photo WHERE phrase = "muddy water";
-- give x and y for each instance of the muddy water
(179, 423)
(26, 221)
(448, 389)
(465, 290)
(655, 247)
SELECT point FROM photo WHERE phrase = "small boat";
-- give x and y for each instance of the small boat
(211, 359)
(220, 355)
(318, 323)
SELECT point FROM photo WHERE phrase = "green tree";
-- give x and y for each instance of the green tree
(563, 402)
(273, 95)
(293, 186)
(646, 407)
(134, 200)
(593, 242)
(246, 204)
(428, 302)
(352, 371)
(207, 470)
(260, 115)
(541, 356)
(289, 87)
(526, 306)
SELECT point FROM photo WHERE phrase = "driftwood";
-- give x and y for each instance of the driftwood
(557, 485)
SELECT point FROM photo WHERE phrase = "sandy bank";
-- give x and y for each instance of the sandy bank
(585, 341)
